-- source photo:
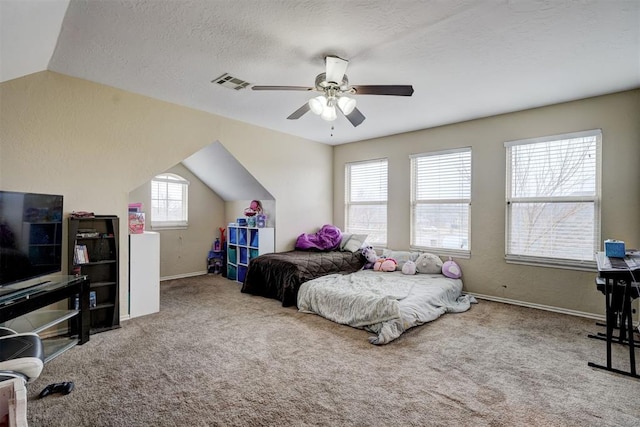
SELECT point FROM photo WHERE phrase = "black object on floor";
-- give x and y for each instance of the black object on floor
(64, 388)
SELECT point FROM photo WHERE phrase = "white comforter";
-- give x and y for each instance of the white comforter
(386, 304)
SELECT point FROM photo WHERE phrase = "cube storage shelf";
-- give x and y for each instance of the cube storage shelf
(245, 244)
(98, 237)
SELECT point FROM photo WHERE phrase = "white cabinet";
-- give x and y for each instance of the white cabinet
(144, 273)
(244, 244)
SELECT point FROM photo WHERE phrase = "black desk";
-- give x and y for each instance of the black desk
(24, 300)
(619, 292)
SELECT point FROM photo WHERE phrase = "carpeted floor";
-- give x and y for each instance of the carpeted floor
(216, 357)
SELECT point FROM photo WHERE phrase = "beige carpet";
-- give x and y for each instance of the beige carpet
(216, 357)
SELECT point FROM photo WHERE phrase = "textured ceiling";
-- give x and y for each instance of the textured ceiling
(465, 59)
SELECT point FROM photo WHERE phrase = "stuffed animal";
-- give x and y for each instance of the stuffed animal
(451, 269)
(409, 267)
(429, 264)
(254, 208)
(385, 264)
(370, 255)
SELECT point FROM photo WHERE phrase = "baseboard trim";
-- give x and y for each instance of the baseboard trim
(182, 276)
(539, 306)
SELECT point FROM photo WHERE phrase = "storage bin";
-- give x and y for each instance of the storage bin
(614, 248)
(231, 272)
(244, 256)
(242, 272)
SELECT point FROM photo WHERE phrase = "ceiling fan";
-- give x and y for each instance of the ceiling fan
(334, 87)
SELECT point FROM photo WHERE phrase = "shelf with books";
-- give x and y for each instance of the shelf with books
(93, 251)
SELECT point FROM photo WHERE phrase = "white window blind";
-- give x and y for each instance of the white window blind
(553, 200)
(440, 201)
(169, 197)
(366, 200)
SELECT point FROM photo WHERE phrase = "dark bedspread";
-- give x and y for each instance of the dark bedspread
(279, 275)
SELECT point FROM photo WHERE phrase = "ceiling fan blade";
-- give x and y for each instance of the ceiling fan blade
(299, 112)
(355, 117)
(336, 67)
(398, 90)
(305, 88)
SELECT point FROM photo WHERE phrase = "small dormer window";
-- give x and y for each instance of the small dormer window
(169, 201)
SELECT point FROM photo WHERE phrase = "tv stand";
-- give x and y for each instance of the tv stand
(19, 308)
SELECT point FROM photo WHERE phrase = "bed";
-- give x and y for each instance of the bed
(384, 303)
(279, 275)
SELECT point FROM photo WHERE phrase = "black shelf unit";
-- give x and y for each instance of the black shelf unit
(99, 234)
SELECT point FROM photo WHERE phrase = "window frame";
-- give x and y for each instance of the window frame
(414, 202)
(171, 224)
(596, 199)
(348, 203)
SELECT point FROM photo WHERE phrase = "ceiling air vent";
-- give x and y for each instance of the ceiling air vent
(231, 82)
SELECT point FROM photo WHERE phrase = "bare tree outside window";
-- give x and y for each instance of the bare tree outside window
(553, 197)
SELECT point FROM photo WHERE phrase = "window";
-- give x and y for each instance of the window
(169, 201)
(553, 200)
(440, 201)
(366, 200)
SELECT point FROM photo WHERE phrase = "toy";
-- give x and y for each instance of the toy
(409, 267)
(385, 264)
(254, 208)
(451, 269)
(429, 264)
(370, 255)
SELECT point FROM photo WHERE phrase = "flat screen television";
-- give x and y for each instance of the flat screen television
(30, 236)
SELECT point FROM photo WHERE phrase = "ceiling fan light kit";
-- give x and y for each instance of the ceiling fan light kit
(326, 107)
(334, 86)
(317, 104)
(329, 113)
(347, 105)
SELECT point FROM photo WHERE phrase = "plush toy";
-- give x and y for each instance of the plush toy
(451, 269)
(370, 255)
(385, 264)
(429, 264)
(409, 267)
(254, 208)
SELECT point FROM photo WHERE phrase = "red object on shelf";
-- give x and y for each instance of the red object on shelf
(222, 238)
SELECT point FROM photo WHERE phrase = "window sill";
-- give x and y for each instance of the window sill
(453, 253)
(564, 264)
(169, 227)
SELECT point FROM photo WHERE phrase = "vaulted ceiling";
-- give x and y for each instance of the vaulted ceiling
(465, 59)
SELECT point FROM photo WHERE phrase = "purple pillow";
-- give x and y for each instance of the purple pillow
(451, 269)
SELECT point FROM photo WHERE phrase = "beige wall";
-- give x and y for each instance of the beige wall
(183, 252)
(486, 272)
(94, 144)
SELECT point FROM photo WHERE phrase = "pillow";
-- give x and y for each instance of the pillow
(344, 238)
(400, 256)
(429, 263)
(352, 242)
(451, 269)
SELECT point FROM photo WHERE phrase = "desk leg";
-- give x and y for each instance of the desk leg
(610, 315)
(628, 327)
